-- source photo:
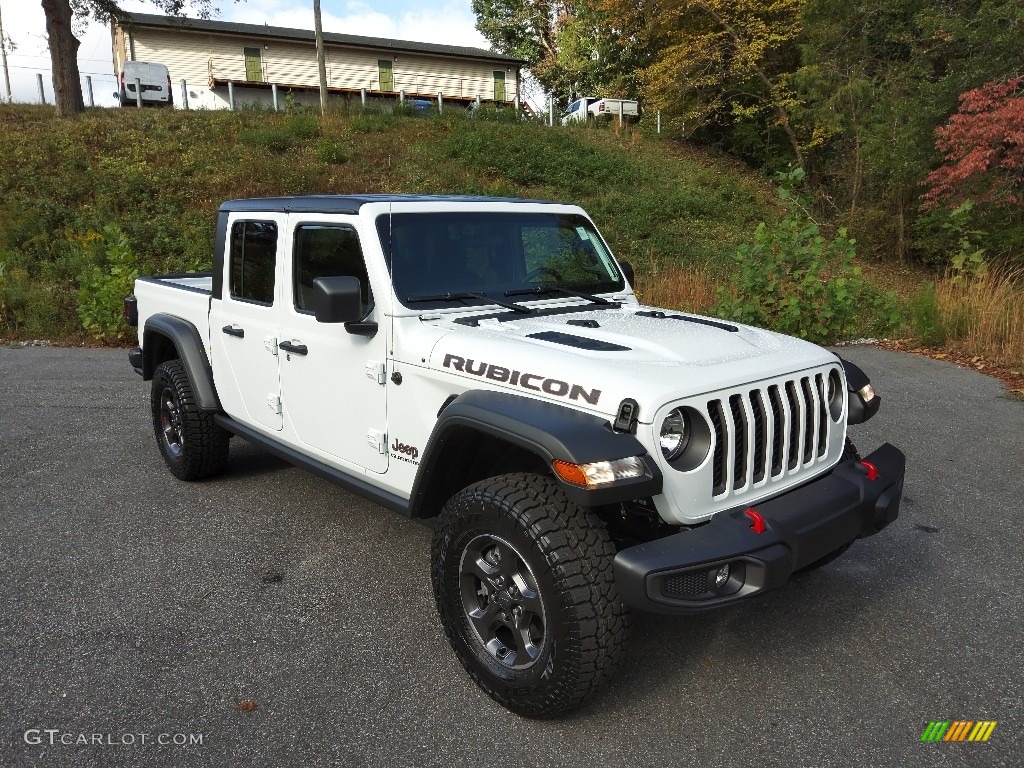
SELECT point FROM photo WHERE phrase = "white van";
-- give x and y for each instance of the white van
(154, 79)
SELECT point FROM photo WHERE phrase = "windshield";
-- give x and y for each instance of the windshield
(431, 255)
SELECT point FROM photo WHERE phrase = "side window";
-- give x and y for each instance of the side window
(323, 250)
(253, 260)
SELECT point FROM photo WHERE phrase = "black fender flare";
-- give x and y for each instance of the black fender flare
(859, 410)
(191, 351)
(549, 431)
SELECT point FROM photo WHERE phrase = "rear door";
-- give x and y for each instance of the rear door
(332, 381)
(244, 321)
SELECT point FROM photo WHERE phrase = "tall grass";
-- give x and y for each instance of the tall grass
(674, 286)
(985, 316)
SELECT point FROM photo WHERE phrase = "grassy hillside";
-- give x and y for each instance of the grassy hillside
(90, 202)
(71, 188)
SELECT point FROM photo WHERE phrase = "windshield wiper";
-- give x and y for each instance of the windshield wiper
(479, 296)
(558, 289)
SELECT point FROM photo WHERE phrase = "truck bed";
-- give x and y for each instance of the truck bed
(184, 295)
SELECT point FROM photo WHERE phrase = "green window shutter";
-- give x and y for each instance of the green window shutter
(387, 75)
(499, 85)
(253, 65)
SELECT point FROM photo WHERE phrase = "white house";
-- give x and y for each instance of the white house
(208, 55)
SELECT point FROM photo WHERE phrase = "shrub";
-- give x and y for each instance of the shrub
(303, 127)
(795, 281)
(272, 139)
(925, 318)
(102, 285)
(332, 151)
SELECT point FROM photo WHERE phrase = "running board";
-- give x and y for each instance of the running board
(336, 476)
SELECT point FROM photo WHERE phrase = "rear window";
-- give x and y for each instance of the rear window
(253, 261)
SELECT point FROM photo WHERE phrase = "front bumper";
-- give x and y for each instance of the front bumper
(677, 574)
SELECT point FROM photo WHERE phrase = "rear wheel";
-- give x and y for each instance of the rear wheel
(192, 444)
(524, 586)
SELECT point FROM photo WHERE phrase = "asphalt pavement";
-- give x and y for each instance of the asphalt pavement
(270, 618)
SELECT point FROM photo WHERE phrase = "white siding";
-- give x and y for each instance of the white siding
(199, 57)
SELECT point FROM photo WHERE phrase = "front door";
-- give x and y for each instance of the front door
(387, 75)
(244, 323)
(253, 65)
(499, 85)
(332, 381)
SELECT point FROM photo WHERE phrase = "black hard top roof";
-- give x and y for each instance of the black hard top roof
(286, 33)
(352, 203)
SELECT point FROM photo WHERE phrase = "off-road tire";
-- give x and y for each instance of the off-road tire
(565, 551)
(192, 444)
(849, 452)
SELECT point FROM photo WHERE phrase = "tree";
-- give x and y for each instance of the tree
(715, 60)
(67, 82)
(983, 146)
(876, 77)
(569, 47)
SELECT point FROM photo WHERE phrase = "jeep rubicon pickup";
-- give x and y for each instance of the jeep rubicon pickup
(484, 363)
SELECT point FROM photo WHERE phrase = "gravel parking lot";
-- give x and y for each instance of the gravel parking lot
(136, 605)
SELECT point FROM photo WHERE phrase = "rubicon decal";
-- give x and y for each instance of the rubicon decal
(958, 730)
(531, 381)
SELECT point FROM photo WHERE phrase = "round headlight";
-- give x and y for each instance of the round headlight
(675, 434)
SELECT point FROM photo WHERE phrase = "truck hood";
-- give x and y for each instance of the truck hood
(593, 359)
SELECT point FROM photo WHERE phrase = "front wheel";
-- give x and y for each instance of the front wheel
(192, 444)
(524, 586)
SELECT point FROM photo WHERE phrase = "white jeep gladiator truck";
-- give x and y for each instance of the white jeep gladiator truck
(483, 363)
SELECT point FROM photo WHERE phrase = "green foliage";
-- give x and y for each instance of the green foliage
(276, 140)
(159, 175)
(332, 151)
(273, 135)
(372, 122)
(109, 276)
(794, 280)
(968, 262)
(925, 317)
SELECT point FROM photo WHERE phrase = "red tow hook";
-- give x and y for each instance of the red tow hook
(757, 520)
(870, 470)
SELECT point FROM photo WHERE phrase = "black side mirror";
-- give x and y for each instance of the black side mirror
(627, 270)
(339, 300)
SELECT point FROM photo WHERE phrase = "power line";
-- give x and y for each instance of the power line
(81, 72)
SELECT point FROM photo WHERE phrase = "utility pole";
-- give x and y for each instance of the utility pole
(3, 54)
(321, 63)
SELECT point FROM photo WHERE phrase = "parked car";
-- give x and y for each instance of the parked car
(596, 107)
(154, 79)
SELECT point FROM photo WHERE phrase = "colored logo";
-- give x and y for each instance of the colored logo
(958, 730)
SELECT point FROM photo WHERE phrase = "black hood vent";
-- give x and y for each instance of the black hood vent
(580, 342)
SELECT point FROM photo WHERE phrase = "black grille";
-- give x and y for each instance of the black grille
(794, 425)
(739, 422)
(823, 415)
(760, 455)
(783, 426)
(686, 584)
(715, 411)
(777, 436)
